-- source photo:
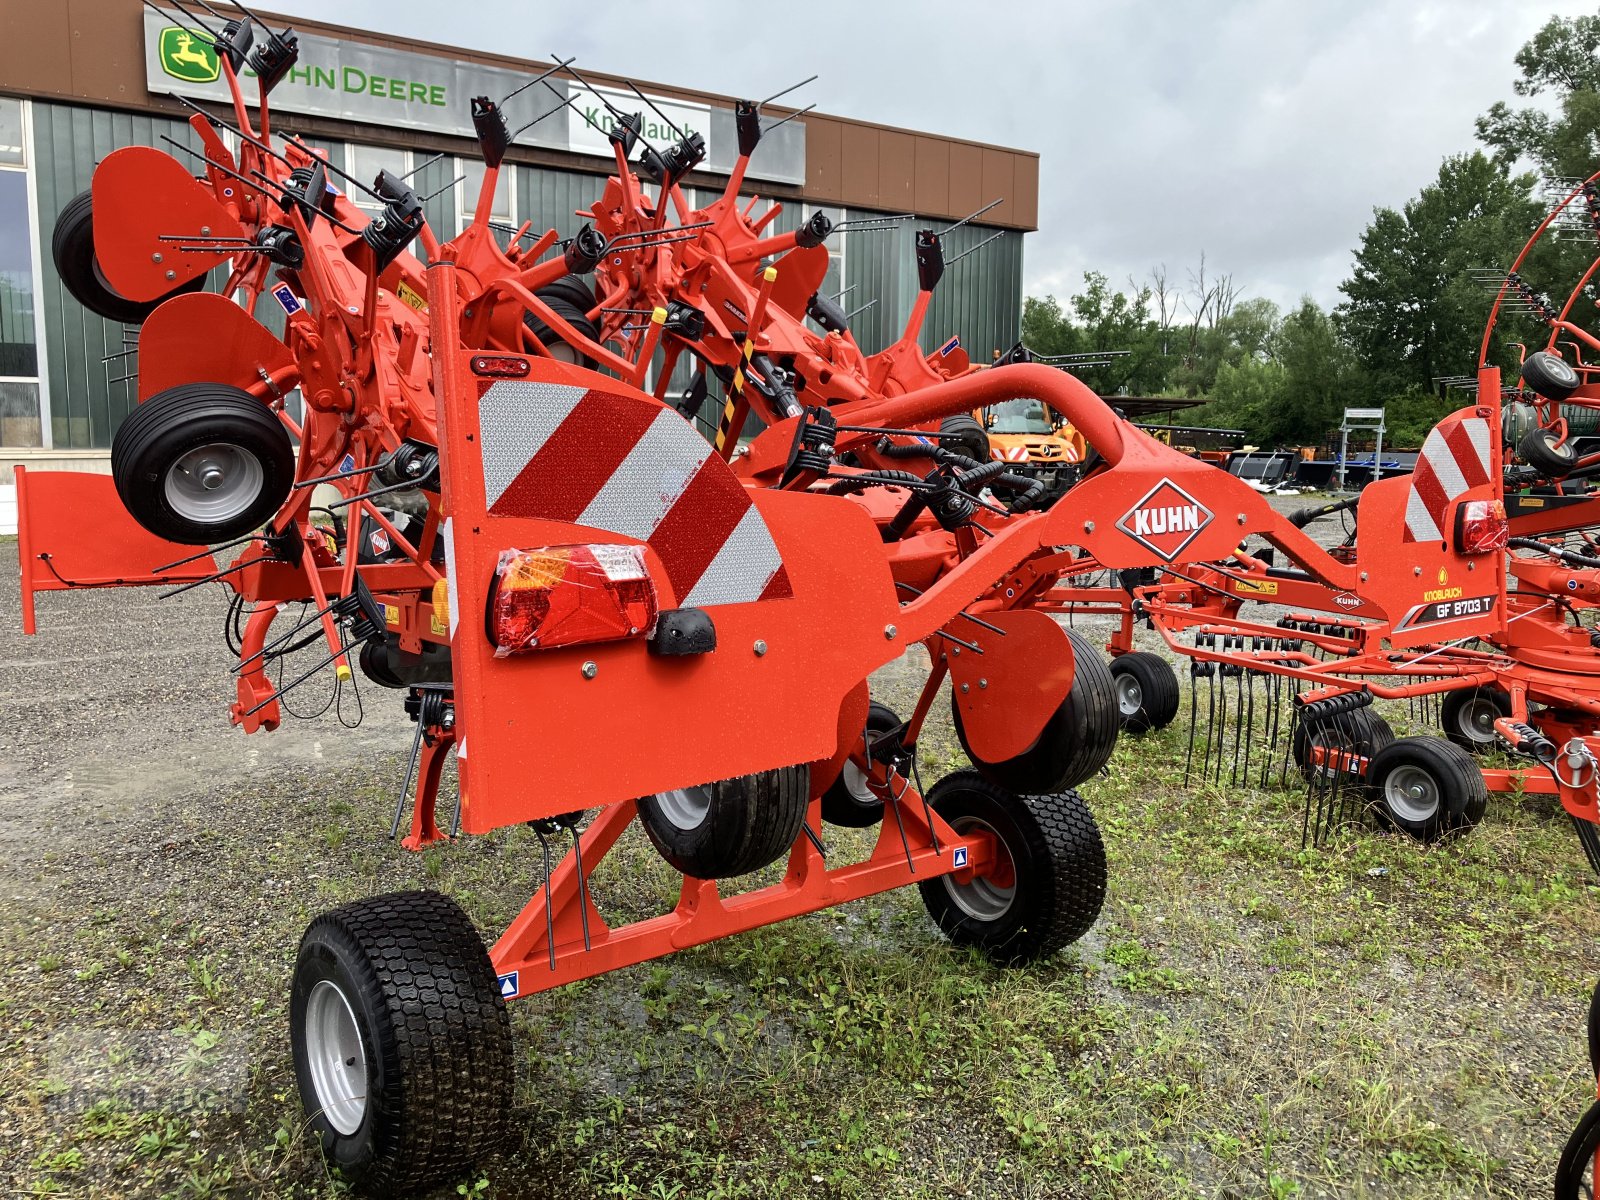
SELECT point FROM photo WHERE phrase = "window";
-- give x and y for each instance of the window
(21, 419)
(505, 200)
(364, 163)
(835, 282)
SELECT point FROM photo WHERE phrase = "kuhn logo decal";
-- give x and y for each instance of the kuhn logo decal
(1166, 520)
(1347, 600)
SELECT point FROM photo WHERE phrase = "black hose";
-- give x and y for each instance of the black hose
(850, 484)
(1571, 557)
(1307, 515)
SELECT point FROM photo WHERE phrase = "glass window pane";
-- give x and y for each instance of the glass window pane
(474, 169)
(365, 162)
(18, 355)
(12, 152)
(19, 415)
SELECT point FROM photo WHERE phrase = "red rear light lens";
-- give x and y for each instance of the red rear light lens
(568, 595)
(1481, 527)
(497, 366)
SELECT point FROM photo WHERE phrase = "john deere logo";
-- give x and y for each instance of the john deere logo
(188, 56)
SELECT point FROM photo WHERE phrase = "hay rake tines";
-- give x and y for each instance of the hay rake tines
(1249, 661)
(1333, 757)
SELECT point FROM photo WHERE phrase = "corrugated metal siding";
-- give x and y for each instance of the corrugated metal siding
(86, 399)
(980, 297)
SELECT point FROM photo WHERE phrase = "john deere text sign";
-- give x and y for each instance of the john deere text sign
(395, 89)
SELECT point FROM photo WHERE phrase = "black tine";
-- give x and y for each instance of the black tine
(549, 912)
(583, 886)
(405, 784)
(1194, 688)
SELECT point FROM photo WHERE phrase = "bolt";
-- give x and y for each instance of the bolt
(760, 647)
(156, 257)
(1363, 577)
(205, 231)
(354, 309)
(1241, 518)
(172, 274)
(983, 684)
(591, 669)
(1472, 566)
(965, 688)
(1416, 570)
(1088, 526)
(955, 650)
(1010, 593)
(890, 632)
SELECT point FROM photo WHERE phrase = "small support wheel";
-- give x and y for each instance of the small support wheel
(1075, 742)
(202, 463)
(72, 249)
(1147, 691)
(1467, 717)
(570, 298)
(1427, 787)
(1592, 1027)
(850, 802)
(1540, 450)
(1575, 1172)
(732, 827)
(1359, 732)
(1048, 886)
(970, 437)
(1550, 375)
(402, 1044)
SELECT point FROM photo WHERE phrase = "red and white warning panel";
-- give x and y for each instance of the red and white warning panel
(1455, 458)
(578, 511)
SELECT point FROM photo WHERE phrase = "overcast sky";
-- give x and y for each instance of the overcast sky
(1260, 132)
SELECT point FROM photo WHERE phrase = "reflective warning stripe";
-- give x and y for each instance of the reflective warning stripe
(630, 467)
(1455, 458)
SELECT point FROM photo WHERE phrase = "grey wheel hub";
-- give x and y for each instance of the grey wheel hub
(1411, 793)
(214, 483)
(1130, 696)
(336, 1056)
(1476, 720)
(685, 808)
(982, 899)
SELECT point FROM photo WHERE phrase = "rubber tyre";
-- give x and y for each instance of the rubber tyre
(1577, 1158)
(435, 1037)
(72, 249)
(1550, 375)
(158, 433)
(1361, 731)
(747, 822)
(1058, 869)
(1076, 741)
(1147, 691)
(847, 802)
(1461, 717)
(1539, 451)
(974, 439)
(1592, 1028)
(571, 299)
(1458, 789)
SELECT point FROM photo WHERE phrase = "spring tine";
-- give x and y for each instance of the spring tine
(405, 784)
(894, 805)
(1194, 688)
(455, 821)
(1240, 682)
(1250, 719)
(549, 912)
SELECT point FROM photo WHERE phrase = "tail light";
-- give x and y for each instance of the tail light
(569, 595)
(1481, 527)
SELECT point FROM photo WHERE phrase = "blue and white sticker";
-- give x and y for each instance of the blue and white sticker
(508, 986)
(347, 463)
(285, 296)
(959, 856)
(950, 345)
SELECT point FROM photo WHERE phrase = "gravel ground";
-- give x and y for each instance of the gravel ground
(1248, 1018)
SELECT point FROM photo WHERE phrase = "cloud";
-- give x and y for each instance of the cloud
(1259, 133)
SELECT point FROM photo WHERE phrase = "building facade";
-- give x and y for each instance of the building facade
(81, 78)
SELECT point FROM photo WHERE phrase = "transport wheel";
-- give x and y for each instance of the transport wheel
(850, 801)
(571, 299)
(732, 827)
(1550, 375)
(1076, 741)
(1593, 1030)
(72, 248)
(1539, 450)
(1147, 691)
(1047, 888)
(1467, 717)
(974, 439)
(402, 1044)
(202, 463)
(1575, 1173)
(1427, 787)
(1359, 731)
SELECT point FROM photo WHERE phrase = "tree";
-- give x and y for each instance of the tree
(1414, 310)
(1317, 371)
(1562, 60)
(1099, 318)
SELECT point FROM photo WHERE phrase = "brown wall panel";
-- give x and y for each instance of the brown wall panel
(933, 176)
(1025, 191)
(999, 183)
(824, 159)
(107, 52)
(966, 178)
(36, 47)
(860, 176)
(897, 169)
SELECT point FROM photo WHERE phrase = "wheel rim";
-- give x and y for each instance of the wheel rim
(1476, 719)
(1130, 696)
(983, 899)
(1411, 794)
(561, 352)
(214, 483)
(336, 1056)
(855, 783)
(684, 808)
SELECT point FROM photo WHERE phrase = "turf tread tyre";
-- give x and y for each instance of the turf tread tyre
(1158, 690)
(1539, 450)
(436, 1033)
(1577, 1157)
(1059, 861)
(1463, 794)
(72, 251)
(570, 299)
(1550, 375)
(841, 807)
(973, 440)
(1077, 740)
(751, 821)
(1592, 1028)
(167, 425)
(1455, 719)
(1360, 730)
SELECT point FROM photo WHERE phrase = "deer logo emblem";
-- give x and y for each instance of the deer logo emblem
(188, 56)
